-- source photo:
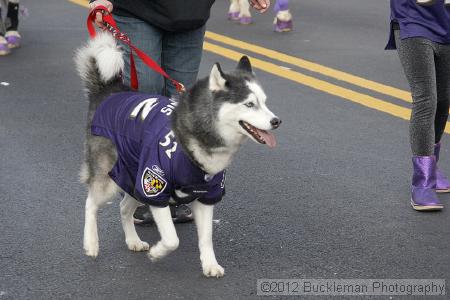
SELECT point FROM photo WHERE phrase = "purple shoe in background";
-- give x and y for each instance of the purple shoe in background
(233, 16)
(423, 194)
(283, 21)
(442, 183)
(13, 38)
(282, 26)
(4, 49)
(245, 20)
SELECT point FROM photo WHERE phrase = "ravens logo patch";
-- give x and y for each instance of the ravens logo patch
(152, 183)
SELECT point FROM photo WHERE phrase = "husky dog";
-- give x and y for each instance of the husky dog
(156, 150)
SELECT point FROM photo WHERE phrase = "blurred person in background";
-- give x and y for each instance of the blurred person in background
(9, 34)
(240, 11)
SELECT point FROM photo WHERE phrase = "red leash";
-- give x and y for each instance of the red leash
(111, 26)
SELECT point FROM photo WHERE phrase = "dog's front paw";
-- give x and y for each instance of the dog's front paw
(137, 245)
(154, 254)
(91, 249)
(213, 271)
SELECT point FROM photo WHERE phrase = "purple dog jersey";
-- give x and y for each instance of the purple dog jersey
(151, 165)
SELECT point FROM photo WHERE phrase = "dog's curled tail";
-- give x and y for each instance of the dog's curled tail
(99, 62)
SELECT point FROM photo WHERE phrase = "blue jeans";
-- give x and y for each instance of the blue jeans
(178, 53)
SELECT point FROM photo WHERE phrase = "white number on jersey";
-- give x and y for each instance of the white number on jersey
(145, 106)
(169, 142)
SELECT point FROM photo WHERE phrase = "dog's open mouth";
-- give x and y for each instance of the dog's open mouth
(261, 136)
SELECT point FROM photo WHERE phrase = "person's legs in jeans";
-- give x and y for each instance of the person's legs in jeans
(149, 39)
(181, 56)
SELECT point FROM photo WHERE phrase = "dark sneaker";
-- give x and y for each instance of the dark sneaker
(180, 214)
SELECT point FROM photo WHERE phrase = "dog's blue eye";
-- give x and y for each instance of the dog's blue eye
(250, 104)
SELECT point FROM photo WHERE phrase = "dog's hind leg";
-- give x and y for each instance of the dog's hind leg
(203, 216)
(98, 195)
(169, 239)
(127, 207)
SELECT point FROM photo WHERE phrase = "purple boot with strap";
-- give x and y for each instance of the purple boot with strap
(442, 183)
(423, 193)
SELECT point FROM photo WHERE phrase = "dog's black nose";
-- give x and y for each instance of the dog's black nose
(275, 122)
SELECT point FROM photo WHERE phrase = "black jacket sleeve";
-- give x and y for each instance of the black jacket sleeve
(169, 15)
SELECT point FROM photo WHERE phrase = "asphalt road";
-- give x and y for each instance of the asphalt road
(331, 201)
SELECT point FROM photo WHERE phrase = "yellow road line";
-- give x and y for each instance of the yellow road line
(84, 3)
(321, 85)
(313, 67)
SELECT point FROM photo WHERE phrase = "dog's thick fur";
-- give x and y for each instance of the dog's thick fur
(209, 124)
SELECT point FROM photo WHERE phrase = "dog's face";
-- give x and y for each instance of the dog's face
(241, 102)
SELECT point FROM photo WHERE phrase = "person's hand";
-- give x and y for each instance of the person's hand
(98, 15)
(260, 5)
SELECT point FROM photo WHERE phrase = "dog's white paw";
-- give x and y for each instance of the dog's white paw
(213, 271)
(154, 254)
(137, 245)
(91, 249)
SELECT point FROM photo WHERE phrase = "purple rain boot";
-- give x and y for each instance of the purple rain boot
(233, 16)
(283, 19)
(245, 20)
(13, 37)
(442, 183)
(4, 49)
(423, 195)
(282, 26)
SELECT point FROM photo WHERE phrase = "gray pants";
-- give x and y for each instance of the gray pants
(427, 68)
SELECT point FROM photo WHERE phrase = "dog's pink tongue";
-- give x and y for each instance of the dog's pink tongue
(269, 137)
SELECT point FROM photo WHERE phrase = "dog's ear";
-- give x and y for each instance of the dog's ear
(244, 65)
(216, 79)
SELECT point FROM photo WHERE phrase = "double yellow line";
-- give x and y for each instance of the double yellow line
(318, 84)
(306, 80)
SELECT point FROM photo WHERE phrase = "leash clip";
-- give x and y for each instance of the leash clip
(180, 87)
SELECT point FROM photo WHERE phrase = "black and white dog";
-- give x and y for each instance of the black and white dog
(157, 150)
